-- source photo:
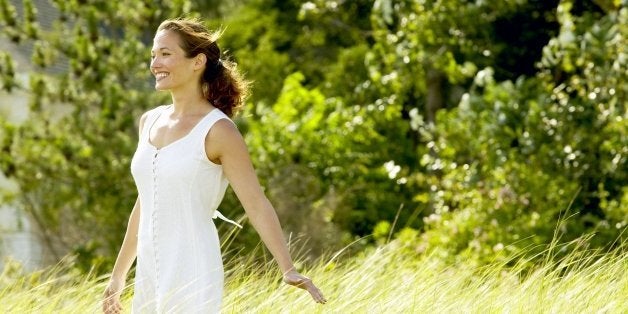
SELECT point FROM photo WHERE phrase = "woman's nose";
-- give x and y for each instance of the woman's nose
(154, 63)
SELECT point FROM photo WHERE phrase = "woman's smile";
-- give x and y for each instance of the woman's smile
(161, 75)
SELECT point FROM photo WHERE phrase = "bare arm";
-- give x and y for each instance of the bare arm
(225, 145)
(126, 256)
(236, 163)
(128, 251)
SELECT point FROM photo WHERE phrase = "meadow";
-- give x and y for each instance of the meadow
(391, 278)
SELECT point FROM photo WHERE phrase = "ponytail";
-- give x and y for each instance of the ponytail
(222, 84)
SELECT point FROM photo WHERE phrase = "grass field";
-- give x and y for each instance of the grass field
(388, 279)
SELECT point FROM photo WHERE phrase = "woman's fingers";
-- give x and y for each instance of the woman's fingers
(111, 303)
(298, 280)
(316, 293)
(112, 306)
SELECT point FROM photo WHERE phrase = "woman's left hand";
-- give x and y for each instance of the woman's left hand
(293, 278)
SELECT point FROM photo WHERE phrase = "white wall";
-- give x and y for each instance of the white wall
(18, 242)
(17, 235)
(17, 238)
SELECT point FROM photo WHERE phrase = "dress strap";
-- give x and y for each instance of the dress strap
(152, 116)
(204, 126)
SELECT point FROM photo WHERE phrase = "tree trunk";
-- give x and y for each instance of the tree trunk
(434, 98)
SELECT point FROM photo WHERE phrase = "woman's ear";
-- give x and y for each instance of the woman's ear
(199, 61)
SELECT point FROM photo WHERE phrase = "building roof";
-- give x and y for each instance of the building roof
(46, 13)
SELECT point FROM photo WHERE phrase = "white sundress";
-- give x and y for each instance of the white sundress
(179, 265)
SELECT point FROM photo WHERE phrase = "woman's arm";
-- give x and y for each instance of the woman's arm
(128, 251)
(126, 256)
(125, 259)
(225, 145)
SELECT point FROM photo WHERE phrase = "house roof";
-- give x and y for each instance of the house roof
(46, 14)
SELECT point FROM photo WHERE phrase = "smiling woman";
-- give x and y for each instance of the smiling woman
(187, 155)
(221, 83)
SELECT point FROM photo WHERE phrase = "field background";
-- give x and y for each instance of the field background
(387, 279)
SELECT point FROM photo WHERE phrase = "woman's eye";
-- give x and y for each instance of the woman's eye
(162, 54)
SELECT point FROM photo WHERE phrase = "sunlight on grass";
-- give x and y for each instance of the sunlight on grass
(388, 279)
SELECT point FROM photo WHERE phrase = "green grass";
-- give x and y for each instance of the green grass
(389, 279)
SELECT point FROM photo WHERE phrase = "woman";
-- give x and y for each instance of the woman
(188, 153)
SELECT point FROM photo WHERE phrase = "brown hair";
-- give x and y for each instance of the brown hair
(222, 84)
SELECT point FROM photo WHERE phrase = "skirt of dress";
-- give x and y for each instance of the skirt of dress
(189, 279)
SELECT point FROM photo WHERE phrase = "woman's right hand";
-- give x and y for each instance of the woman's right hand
(111, 299)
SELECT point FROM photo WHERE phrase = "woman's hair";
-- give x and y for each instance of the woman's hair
(221, 82)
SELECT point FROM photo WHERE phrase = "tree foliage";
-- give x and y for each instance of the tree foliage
(513, 157)
(71, 157)
(474, 125)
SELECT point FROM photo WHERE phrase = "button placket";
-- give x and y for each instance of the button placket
(154, 217)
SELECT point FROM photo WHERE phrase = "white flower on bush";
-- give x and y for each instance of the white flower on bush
(392, 169)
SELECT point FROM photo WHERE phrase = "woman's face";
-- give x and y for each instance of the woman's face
(171, 68)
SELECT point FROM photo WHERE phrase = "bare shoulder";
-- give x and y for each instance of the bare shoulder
(143, 120)
(224, 128)
(145, 116)
(223, 138)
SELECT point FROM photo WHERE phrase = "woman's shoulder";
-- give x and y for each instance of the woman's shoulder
(223, 128)
(149, 113)
(220, 114)
(223, 138)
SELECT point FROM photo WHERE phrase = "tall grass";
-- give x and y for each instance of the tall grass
(387, 279)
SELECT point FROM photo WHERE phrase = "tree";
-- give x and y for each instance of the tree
(547, 152)
(426, 113)
(71, 157)
(315, 128)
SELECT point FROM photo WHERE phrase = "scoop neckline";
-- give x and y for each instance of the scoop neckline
(179, 139)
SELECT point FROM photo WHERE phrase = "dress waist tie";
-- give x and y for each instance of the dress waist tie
(218, 214)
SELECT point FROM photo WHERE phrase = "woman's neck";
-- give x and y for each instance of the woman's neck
(190, 101)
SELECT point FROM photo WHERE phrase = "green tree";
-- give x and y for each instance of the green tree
(71, 157)
(316, 127)
(547, 155)
(476, 123)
